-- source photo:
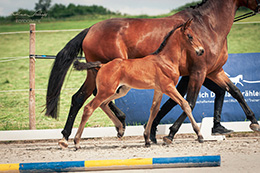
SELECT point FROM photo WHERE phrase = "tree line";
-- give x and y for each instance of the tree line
(44, 9)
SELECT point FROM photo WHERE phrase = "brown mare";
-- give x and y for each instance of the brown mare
(159, 71)
(133, 38)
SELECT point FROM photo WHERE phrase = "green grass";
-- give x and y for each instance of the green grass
(14, 105)
(14, 74)
(244, 39)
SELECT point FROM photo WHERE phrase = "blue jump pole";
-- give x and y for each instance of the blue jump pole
(136, 163)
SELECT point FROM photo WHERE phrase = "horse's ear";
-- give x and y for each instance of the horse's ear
(187, 24)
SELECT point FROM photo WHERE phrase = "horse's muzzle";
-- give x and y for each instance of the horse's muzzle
(200, 51)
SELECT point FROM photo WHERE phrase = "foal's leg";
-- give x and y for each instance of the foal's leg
(195, 82)
(153, 112)
(167, 106)
(122, 91)
(88, 110)
(223, 81)
(175, 95)
(77, 102)
(119, 114)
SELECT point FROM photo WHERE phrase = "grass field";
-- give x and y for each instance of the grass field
(14, 74)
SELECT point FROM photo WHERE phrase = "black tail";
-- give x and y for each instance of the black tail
(86, 66)
(63, 61)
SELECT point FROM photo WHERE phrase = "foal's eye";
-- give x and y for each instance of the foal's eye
(190, 37)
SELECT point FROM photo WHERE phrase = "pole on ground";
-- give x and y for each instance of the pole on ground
(117, 164)
(32, 122)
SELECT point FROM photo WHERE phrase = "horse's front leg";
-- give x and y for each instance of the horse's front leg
(224, 82)
(194, 85)
(153, 112)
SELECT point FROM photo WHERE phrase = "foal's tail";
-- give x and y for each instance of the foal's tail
(86, 66)
(63, 61)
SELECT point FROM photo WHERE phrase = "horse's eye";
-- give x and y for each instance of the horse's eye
(190, 37)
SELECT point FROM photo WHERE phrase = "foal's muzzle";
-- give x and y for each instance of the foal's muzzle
(200, 51)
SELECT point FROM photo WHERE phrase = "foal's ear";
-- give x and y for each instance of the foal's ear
(187, 24)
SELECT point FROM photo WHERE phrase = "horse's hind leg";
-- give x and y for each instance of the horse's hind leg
(77, 102)
(153, 112)
(223, 81)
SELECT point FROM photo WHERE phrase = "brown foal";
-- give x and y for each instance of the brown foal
(159, 71)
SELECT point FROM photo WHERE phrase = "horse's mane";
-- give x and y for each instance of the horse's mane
(199, 4)
(165, 40)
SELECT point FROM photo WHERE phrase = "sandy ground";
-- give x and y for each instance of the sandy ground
(239, 152)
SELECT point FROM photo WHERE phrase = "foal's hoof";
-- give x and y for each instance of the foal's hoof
(76, 142)
(152, 134)
(167, 139)
(63, 143)
(200, 139)
(255, 127)
(77, 147)
(120, 133)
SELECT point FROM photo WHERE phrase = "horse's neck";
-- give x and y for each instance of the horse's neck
(218, 13)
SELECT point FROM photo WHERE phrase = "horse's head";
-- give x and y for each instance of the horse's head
(251, 4)
(191, 39)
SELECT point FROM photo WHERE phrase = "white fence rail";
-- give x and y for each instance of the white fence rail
(206, 125)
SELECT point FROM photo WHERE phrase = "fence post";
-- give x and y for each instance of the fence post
(32, 121)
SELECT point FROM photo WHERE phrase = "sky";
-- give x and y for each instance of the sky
(133, 7)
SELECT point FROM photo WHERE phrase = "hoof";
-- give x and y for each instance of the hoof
(167, 140)
(153, 139)
(147, 144)
(76, 142)
(153, 135)
(120, 135)
(63, 143)
(77, 147)
(200, 139)
(255, 127)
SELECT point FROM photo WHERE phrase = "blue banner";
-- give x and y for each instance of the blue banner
(242, 69)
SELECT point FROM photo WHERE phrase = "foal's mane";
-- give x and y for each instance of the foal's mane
(165, 40)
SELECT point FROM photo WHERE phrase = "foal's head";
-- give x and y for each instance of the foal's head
(184, 35)
(189, 39)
